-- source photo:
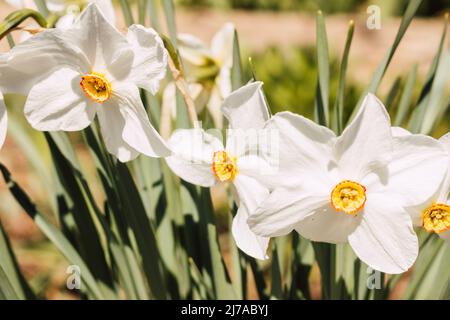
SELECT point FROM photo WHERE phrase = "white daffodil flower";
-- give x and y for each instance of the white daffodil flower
(69, 11)
(433, 216)
(352, 188)
(90, 69)
(201, 159)
(3, 121)
(212, 63)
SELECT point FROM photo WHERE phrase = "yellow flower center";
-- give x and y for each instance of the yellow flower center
(96, 87)
(348, 197)
(436, 218)
(224, 166)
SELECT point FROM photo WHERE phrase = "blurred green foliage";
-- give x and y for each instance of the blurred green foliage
(389, 7)
(290, 78)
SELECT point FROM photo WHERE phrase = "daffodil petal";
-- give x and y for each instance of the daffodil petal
(137, 132)
(385, 239)
(192, 155)
(3, 121)
(417, 170)
(150, 58)
(283, 210)
(107, 8)
(251, 194)
(58, 103)
(328, 225)
(32, 61)
(399, 132)
(112, 124)
(105, 47)
(367, 141)
(21, 4)
(246, 107)
(304, 152)
(66, 21)
(445, 189)
(56, 5)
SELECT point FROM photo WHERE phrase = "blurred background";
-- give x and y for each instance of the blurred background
(279, 36)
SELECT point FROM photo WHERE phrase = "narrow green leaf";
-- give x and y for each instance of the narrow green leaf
(142, 11)
(236, 69)
(153, 13)
(127, 13)
(277, 281)
(323, 65)
(41, 5)
(211, 249)
(17, 17)
(413, 6)
(169, 11)
(432, 89)
(392, 94)
(339, 103)
(6, 288)
(15, 285)
(406, 97)
(52, 233)
(143, 231)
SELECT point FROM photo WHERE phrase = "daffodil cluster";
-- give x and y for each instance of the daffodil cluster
(369, 186)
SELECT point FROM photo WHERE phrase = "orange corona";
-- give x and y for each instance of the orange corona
(224, 166)
(349, 197)
(96, 87)
(436, 218)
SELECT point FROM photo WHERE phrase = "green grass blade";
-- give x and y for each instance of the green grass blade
(11, 280)
(236, 69)
(41, 5)
(406, 97)
(83, 210)
(53, 234)
(430, 90)
(17, 17)
(339, 103)
(127, 13)
(6, 288)
(411, 9)
(323, 65)
(169, 11)
(152, 6)
(143, 231)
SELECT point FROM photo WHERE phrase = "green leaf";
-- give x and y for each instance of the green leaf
(143, 230)
(17, 17)
(435, 84)
(406, 97)
(41, 5)
(413, 6)
(153, 13)
(169, 11)
(431, 275)
(277, 286)
(6, 289)
(84, 211)
(211, 249)
(142, 11)
(53, 234)
(339, 103)
(127, 14)
(12, 282)
(236, 69)
(323, 65)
